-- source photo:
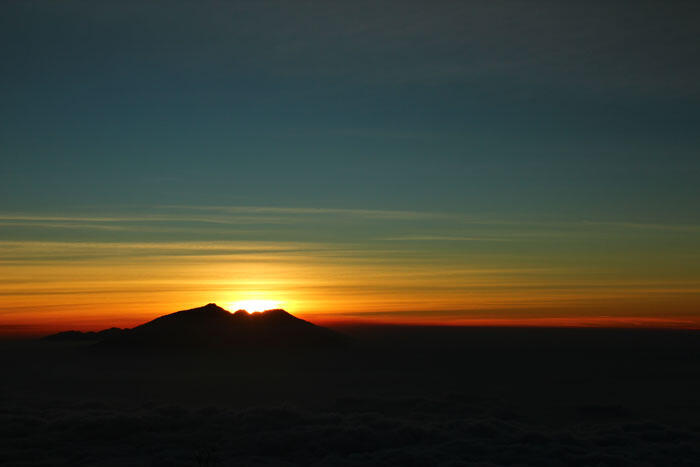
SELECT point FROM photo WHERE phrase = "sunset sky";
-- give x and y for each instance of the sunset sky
(425, 162)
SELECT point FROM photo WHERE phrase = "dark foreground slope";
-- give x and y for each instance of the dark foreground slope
(400, 396)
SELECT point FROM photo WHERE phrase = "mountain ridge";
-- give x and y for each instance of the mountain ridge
(213, 326)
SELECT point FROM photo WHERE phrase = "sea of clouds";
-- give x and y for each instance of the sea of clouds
(449, 431)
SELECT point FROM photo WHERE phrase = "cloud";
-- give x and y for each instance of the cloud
(193, 219)
(307, 211)
(446, 238)
(645, 226)
(357, 431)
(153, 218)
(165, 218)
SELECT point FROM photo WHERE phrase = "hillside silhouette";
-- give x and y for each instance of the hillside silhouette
(86, 336)
(213, 326)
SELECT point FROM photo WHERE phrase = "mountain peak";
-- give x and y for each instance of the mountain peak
(277, 313)
(209, 308)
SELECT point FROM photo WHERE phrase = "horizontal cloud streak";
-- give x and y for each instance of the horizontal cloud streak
(295, 211)
(232, 215)
(442, 238)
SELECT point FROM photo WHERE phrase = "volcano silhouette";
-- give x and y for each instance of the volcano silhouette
(213, 326)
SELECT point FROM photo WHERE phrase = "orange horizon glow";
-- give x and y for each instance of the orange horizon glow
(27, 330)
(563, 322)
(54, 285)
(85, 321)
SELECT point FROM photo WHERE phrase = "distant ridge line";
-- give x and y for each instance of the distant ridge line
(213, 326)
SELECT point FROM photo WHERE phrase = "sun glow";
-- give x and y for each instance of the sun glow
(252, 306)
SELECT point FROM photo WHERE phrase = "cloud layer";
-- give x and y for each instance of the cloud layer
(455, 431)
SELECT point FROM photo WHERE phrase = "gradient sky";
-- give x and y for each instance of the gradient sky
(446, 162)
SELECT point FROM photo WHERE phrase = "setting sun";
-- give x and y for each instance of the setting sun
(253, 306)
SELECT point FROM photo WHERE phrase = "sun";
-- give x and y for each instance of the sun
(253, 306)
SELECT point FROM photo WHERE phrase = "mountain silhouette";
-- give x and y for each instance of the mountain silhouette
(86, 336)
(213, 326)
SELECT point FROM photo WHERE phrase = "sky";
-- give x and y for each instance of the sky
(427, 162)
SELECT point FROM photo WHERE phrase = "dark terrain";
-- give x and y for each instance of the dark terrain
(405, 396)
